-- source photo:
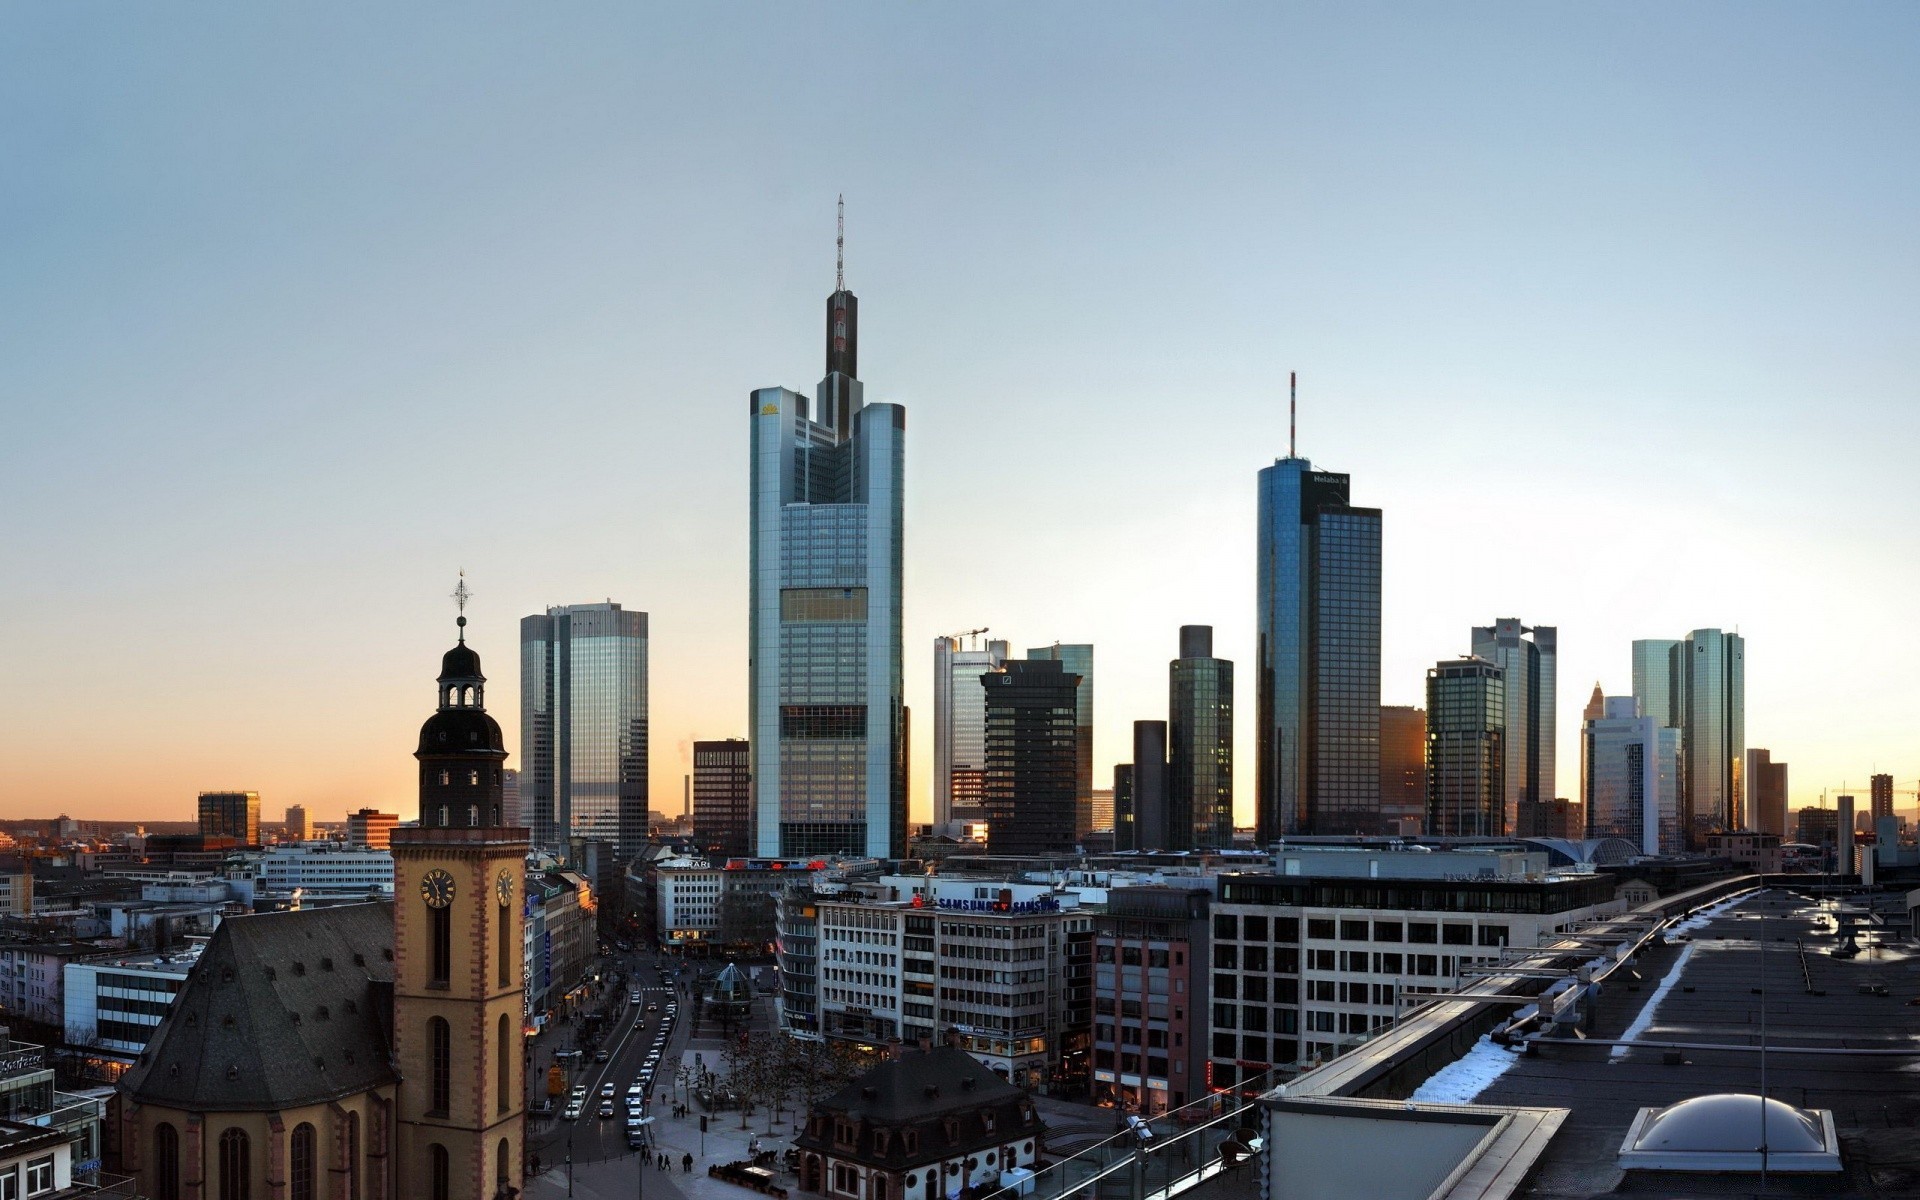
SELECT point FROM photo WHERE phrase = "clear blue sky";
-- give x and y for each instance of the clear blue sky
(1611, 309)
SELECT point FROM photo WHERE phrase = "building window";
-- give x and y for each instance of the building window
(846, 1179)
(500, 1166)
(10, 1184)
(504, 1084)
(40, 1176)
(504, 952)
(300, 1162)
(440, 1056)
(440, 940)
(441, 1181)
(353, 1156)
(235, 1165)
(166, 1163)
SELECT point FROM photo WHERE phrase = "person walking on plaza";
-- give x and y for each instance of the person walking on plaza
(686, 1163)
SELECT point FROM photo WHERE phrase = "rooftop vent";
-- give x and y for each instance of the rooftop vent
(1718, 1133)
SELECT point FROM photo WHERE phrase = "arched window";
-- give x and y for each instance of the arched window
(504, 951)
(443, 817)
(441, 1171)
(445, 779)
(473, 814)
(473, 779)
(440, 946)
(500, 1166)
(440, 1056)
(504, 1084)
(353, 1156)
(300, 1162)
(235, 1165)
(166, 1162)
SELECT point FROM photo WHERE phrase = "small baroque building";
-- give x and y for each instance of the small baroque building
(929, 1124)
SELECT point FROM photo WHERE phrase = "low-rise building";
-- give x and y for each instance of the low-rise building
(29, 1098)
(1750, 850)
(328, 871)
(115, 1004)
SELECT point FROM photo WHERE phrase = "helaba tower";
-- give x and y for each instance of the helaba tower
(828, 721)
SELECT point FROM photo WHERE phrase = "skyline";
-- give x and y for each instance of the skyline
(311, 320)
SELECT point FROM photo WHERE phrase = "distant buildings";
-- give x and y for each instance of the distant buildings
(1631, 776)
(1466, 750)
(231, 814)
(1031, 758)
(298, 826)
(1556, 818)
(1199, 745)
(960, 731)
(16, 886)
(1528, 671)
(1767, 792)
(1403, 768)
(827, 709)
(1076, 658)
(1880, 796)
(1146, 789)
(371, 828)
(583, 726)
(1698, 684)
(722, 815)
(328, 871)
(1318, 670)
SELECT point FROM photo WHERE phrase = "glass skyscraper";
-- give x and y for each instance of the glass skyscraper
(960, 731)
(1528, 668)
(827, 714)
(1199, 745)
(1630, 766)
(1030, 758)
(1317, 750)
(1466, 749)
(1699, 685)
(1077, 659)
(583, 726)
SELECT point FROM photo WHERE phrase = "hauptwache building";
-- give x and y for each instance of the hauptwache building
(367, 1051)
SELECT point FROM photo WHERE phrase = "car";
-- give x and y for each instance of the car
(636, 1138)
(579, 1092)
(606, 1109)
(573, 1111)
(601, 1056)
(606, 1091)
(633, 998)
(639, 1025)
(636, 1087)
(653, 1008)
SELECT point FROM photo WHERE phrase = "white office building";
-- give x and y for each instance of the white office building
(328, 870)
(1631, 776)
(116, 1004)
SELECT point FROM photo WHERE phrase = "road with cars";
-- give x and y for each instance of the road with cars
(607, 1111)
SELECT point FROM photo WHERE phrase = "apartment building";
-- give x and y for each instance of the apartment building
(1151, 971)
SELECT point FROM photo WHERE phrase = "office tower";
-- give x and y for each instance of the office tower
(1767, 792)
(1631, 776)
(298, 827)
(1030, 758)
(1199, 745)
(959, 730)
(583, 726)
(1466, 749)
(1126, 834)
(1103, 808)
(1317, 754)
(1844, 828)
(1699, 685)
(722, 816)
(1880, 792)
(371, 828)
(1077, 659)
(231, 814)
(510, 795)
(1149, 786)
(1528, 668)
(828, 719)
(1403, 768)
(1556, 818)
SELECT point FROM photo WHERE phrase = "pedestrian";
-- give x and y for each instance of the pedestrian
(686, 1163)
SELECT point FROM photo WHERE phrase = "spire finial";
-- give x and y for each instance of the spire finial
(1293, 411)
(840, 248)
(461, 594)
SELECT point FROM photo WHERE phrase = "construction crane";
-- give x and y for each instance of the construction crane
(971, 633)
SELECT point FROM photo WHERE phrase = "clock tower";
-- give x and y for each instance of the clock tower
(458, 1020)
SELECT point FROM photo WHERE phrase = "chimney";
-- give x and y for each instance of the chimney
(896, 1049)
(926, 1044)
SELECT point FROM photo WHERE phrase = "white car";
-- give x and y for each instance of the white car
(573, 1111)
(606, 1108)
(606, 1091)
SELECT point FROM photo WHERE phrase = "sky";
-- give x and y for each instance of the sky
(306, 308)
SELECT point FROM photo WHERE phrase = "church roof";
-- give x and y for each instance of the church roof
(951, 1102)
(923, 1084)
(282, 1009)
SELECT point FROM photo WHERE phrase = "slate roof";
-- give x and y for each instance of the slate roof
(901, 1086)
(951, 1103)
(282, 1009)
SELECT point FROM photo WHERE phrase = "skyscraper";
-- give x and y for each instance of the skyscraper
(722, 815)
(1528, 667)
(1147, 789)
(827, 710)
(1076, 658)
(1701, 690)
(1318, 746)
(1767, 792)
(583, 726)
(1630, 775)
(1199, 745)
(1466, 749)
(231, 814)
(1403, 767)
(299, 825)
(1125, 830)
(1881, 796)
(960, 730)
(1029, 758)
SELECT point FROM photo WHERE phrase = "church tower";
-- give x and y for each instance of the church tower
(458, 1015)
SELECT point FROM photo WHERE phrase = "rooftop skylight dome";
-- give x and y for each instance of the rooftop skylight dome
(1722, 1132)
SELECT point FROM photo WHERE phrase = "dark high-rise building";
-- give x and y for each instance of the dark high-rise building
(1077, 659)
(1466, 749)
(1403, 767)
(231, 814)
(1199, 745)
(583, 726)
(722, 816)
(1528, 658)
(1767, 792)
(1318, 673)
(827, 707)
(461, 754)
(1030, 758)
(1880, 793)
(1125, 829)
(1149, 792)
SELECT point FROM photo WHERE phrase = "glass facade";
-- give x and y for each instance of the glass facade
(1077, 659)
(1199, 746)
(959, 729)
(722, 817)
(1030, 776)
(828, 718)
(1698, 685)
(1528, 667)
(583, 726)
(1318, 674)
(1631, 787)
(1466, 749)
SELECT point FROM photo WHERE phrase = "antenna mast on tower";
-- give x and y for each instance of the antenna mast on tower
(840, 248)
(1293, 410)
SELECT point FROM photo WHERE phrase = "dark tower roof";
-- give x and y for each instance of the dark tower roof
(461, 664)
(461, 749)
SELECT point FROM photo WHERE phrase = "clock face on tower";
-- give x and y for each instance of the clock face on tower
(503, 886)
(437, 889)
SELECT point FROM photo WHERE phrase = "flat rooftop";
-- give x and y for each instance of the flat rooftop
(1772, 948)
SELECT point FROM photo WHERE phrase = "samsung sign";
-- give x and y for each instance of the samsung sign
(1047, 904)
